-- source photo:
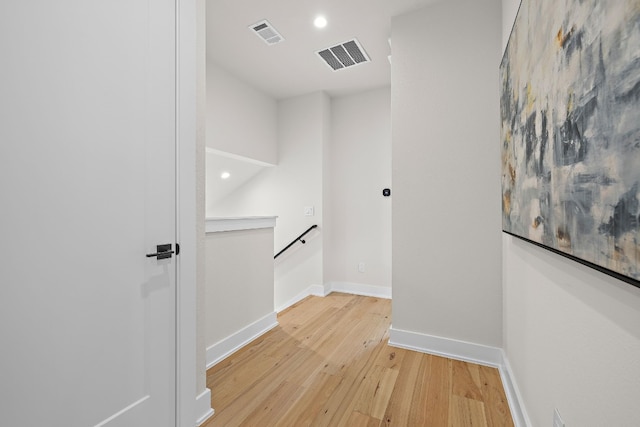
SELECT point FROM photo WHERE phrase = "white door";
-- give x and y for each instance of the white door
(87, 189)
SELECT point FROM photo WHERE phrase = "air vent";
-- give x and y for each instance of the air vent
(266, 32)
(344, 55)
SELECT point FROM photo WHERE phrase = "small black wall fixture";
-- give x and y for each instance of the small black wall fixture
(299, 238)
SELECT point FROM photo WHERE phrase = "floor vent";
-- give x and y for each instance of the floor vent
(344, 55)
(266, 32)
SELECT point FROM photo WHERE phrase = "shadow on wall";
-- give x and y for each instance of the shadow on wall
(225, 174)
(299, 251)
(594, 290)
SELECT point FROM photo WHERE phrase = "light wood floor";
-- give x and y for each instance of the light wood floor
(328, 364)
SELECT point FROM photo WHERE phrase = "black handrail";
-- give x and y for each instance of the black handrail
(299, 238)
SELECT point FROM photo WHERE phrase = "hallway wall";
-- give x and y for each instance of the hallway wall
(285, 190)
(446, 172)
(571, 333)
(334, 155)
(241, 120)
(359, 168)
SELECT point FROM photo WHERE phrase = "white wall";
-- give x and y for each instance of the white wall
(359, 168)
(509, 11)
(285, 190)
(240, 119)
(239, 291)
(327, 199)
(446, 172)
(302, 138)
(571, 334)
(335, 155)
(241, 170)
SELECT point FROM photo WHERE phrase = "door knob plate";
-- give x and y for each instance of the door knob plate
(162, 252)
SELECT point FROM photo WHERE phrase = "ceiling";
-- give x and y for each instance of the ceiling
(292, 67)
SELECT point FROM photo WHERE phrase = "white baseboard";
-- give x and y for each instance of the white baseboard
(203, 407)
(344, 287)
(236, 341)
(359, 289)
(446, 347)
(467, 352)
(518, 411)
(316, 290)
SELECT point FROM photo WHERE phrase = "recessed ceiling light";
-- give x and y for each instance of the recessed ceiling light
(320, 22)
(225, 175)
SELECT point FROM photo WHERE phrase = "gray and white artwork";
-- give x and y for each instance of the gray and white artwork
(570, 110)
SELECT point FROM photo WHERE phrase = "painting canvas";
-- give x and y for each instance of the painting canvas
(570, 111)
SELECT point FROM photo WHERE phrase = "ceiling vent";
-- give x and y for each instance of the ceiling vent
(344, 55)
(266, 32)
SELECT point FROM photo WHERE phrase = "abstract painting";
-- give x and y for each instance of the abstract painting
(570, 111)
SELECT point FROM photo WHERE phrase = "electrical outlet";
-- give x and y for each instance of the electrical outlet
(361, 266)
(557, 420)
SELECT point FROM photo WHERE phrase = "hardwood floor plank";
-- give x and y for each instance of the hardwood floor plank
(376, 388)
(246, 372)
(430, 404)
(465, 412)
(357, 419)
(390, 357)
(498, 413)
(243, 397)
(271, 410)
(400, 402)
(329, 364)
(465, 380)
(341, 400)
(311, 401)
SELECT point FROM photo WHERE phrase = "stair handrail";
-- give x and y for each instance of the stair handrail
(299, 238)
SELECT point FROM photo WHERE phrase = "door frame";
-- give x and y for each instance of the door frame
(186, 214)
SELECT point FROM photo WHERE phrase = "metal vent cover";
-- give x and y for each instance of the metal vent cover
(266, 32)
(344, 55)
